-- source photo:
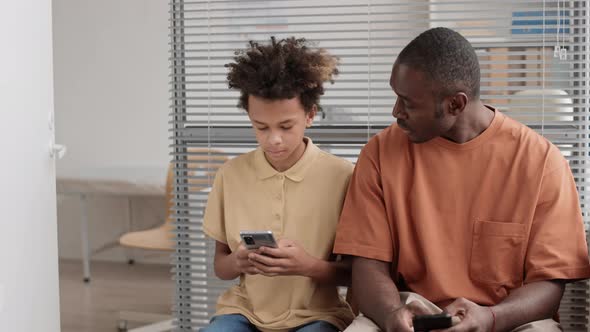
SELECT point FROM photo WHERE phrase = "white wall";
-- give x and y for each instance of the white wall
(111, 82)
(29, 288)
(111, 103)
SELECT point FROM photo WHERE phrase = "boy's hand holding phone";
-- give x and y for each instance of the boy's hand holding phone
(289, 258)
(243, 263)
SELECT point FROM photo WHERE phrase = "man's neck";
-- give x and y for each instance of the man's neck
(473, 121)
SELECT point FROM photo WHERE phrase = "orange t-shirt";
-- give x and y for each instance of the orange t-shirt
(473, 220)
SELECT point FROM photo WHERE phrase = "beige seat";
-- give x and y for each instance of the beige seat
(161, 238)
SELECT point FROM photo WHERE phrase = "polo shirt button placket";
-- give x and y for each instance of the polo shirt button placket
(278, 217)
(277, 224)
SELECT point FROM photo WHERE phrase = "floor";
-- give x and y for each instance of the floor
(114, 287)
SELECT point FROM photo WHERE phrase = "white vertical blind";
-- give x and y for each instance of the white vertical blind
(518, 43)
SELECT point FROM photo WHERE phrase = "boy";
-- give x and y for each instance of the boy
(287, 185)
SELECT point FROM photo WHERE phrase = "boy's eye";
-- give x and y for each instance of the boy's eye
(262, 128)
(287, 128)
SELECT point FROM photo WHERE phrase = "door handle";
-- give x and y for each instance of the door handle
(57, 150)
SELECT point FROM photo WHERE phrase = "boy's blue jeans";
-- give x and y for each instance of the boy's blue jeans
(239, 323)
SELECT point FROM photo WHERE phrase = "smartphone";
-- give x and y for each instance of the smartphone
(257, 239)
(432, 322)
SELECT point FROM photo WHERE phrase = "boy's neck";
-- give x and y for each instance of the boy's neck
(292, 159)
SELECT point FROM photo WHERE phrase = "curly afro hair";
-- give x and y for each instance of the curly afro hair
(283, 69)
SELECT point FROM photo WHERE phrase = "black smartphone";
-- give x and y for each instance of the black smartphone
(432, 322)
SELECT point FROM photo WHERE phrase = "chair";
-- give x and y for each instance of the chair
(161, 238)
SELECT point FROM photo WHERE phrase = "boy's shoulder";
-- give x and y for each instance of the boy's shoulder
(238, 164)
(333, 162)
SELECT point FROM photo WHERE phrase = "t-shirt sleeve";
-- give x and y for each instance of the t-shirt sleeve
(557, 244)
(363, 229)
(214, 220)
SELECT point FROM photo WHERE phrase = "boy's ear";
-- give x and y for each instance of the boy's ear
(309, 116)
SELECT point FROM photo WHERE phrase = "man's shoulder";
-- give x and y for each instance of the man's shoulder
(531, 144)
(390, 138)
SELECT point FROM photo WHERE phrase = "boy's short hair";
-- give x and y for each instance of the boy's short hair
(283, 69)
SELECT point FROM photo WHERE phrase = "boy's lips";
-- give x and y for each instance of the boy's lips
(275, 152)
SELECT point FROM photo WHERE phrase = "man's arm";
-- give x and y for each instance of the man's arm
(378, 297)
(532, 302)
(374, 290)
(529, 303)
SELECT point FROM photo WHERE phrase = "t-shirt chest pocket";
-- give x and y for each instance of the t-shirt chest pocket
(497, 252)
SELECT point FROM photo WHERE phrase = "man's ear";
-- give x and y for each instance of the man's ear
(457, 103)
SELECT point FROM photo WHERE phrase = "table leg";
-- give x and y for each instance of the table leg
(128, 251)
(84, 237)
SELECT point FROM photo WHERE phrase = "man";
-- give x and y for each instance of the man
(462, 207)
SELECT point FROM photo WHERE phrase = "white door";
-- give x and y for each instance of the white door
(29, 283)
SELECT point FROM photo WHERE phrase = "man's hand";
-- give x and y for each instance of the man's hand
(472, 317)
(242, 262)
(400, 320)
(290, 258)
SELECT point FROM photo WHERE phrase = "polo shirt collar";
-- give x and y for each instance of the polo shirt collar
(264, 169)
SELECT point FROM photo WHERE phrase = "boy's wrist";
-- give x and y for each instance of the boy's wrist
(316, 266)
(235, 263)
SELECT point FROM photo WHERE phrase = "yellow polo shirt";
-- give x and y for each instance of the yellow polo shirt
(302, 204)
